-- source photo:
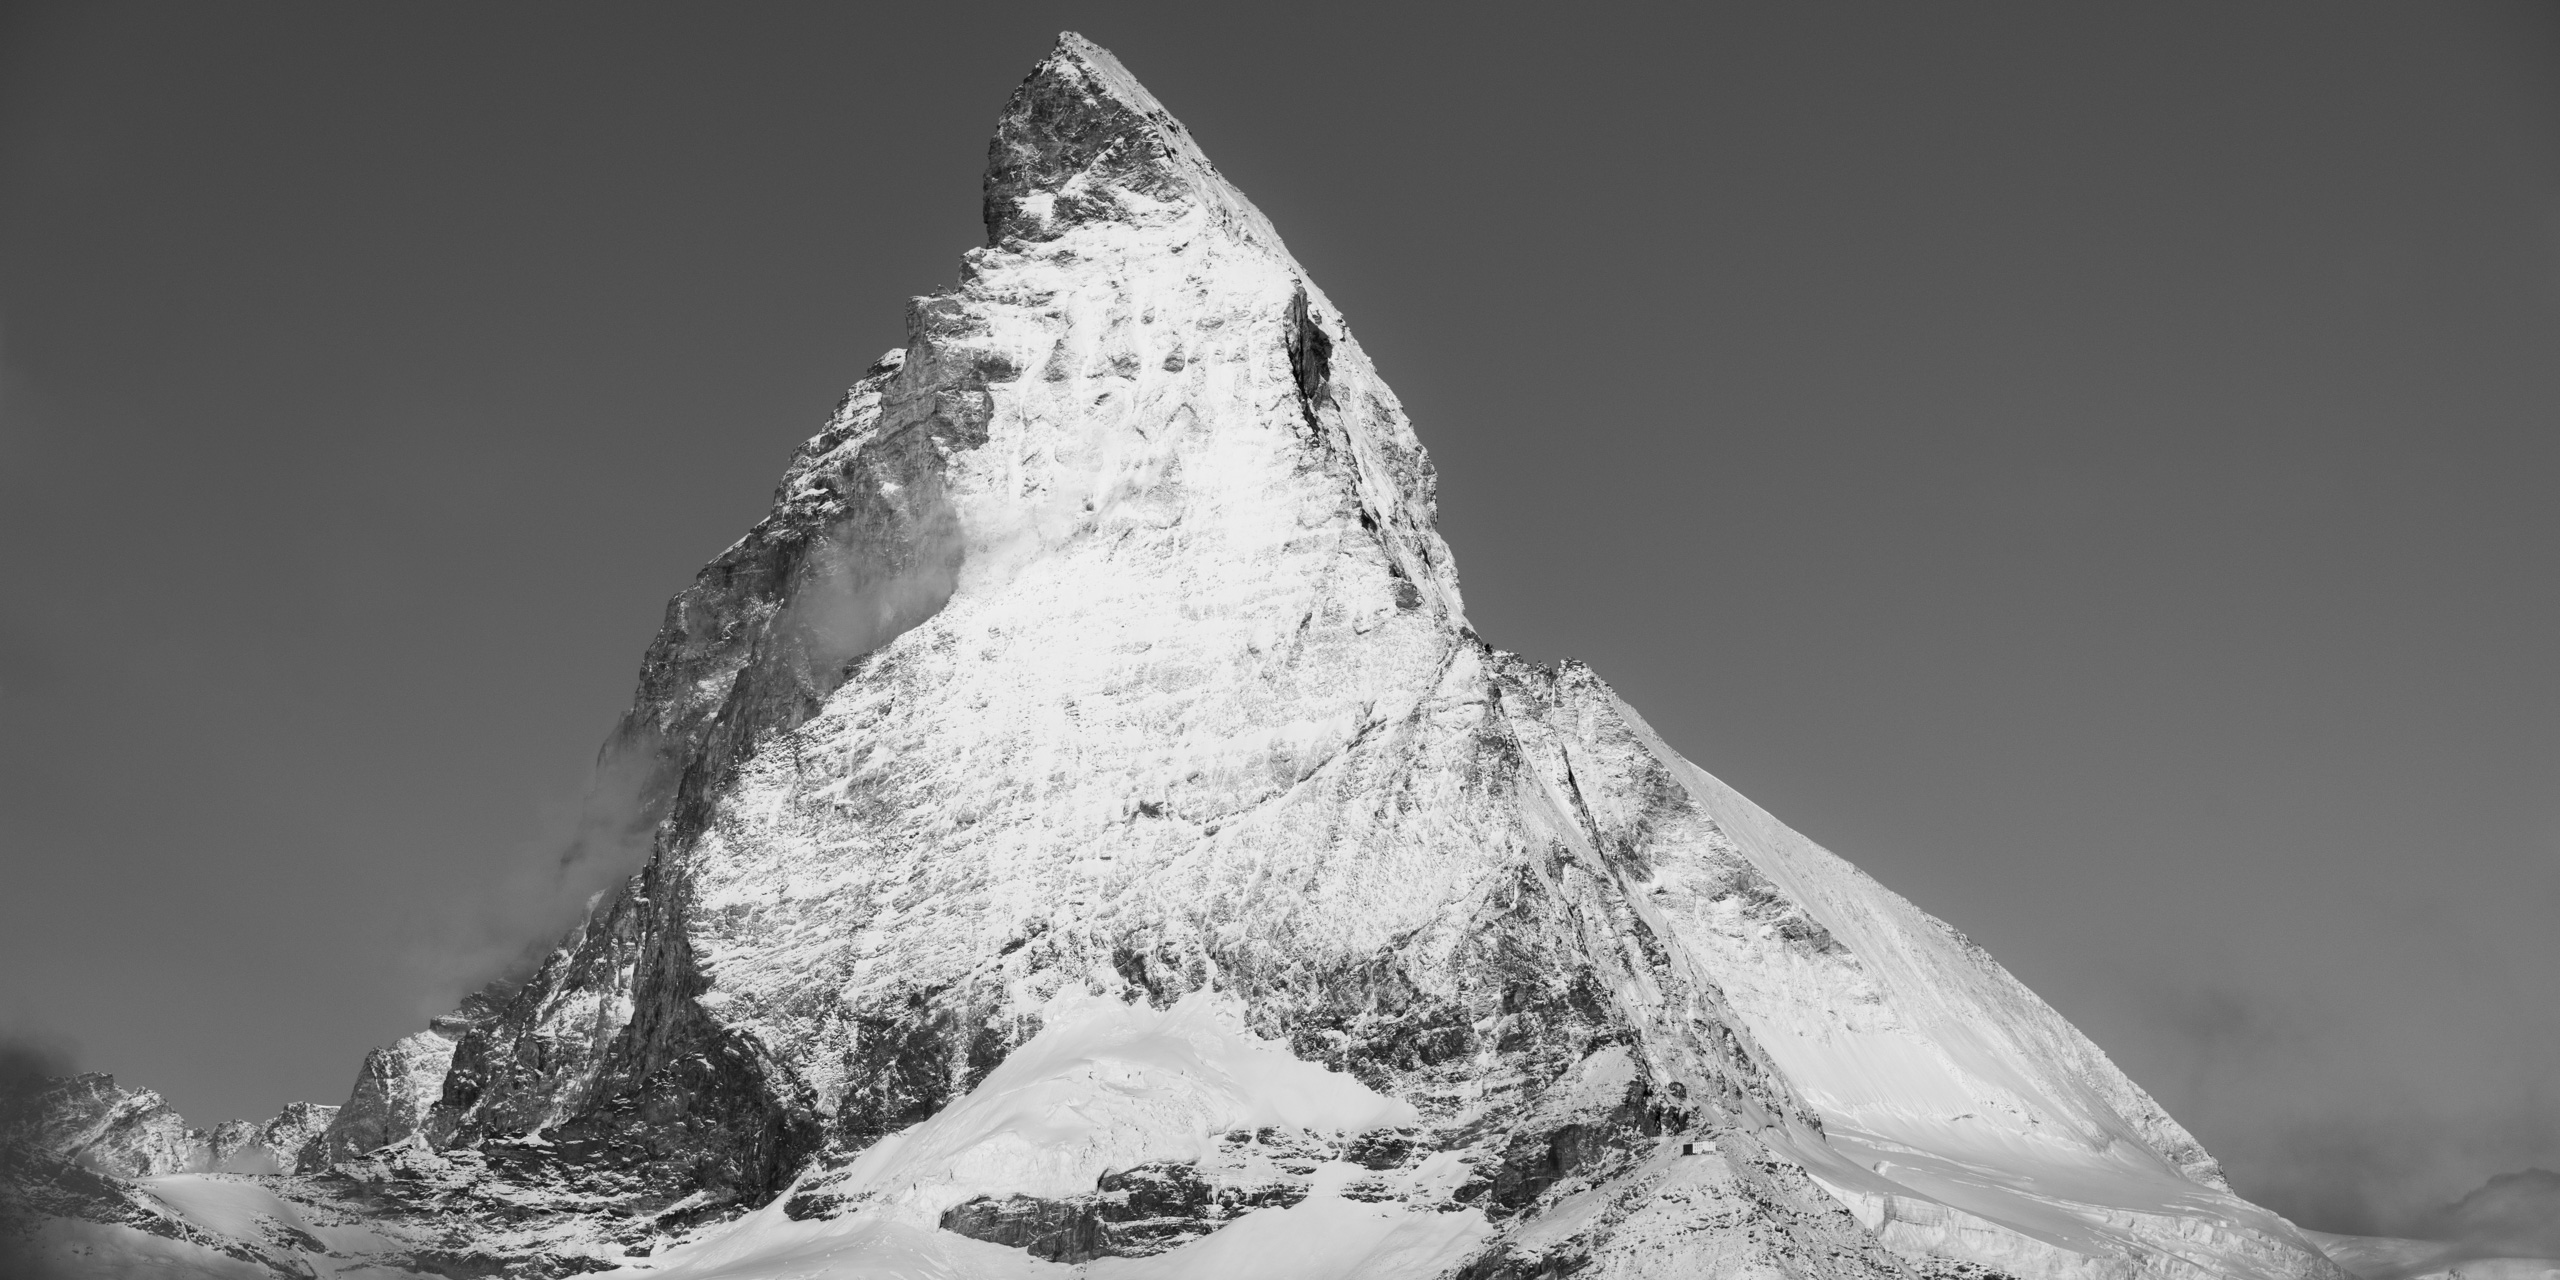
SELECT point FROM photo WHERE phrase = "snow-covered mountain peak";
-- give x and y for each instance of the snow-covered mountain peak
(1084, 832)
(1083, 140)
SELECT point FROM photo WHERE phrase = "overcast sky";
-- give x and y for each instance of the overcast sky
(2093, 468)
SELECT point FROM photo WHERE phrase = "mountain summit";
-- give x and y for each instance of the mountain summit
(1084, 832)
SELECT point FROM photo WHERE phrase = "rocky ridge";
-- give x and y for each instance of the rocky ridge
(1094, 716)
(87, 1121)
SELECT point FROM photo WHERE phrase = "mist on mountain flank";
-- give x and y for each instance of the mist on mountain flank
(1086, 835)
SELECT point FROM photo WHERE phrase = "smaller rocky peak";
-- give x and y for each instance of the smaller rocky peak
(396, 1090)
(1082, 141)
(298, 1136)
(88, 1121)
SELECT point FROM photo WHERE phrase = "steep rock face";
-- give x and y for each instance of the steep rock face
(297, 1139)
(1102, 647)
(396, 1090)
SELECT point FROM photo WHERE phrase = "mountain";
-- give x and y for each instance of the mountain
(1085, 832)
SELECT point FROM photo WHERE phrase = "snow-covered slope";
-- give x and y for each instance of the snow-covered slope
(1086, 833)
(1961, 1115)
(1105, 1093)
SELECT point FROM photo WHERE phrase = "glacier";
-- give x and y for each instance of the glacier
(1087, 837)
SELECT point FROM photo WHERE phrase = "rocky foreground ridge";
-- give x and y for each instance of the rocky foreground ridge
(1085, 833)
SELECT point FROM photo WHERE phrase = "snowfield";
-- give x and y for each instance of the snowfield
(1104, 1085)
(1108, 1085)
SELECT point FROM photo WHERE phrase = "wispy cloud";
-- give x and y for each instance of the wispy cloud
(860, 589)
(2314, 1119)
(2513, 1215)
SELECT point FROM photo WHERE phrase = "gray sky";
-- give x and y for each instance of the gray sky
(2092, 468)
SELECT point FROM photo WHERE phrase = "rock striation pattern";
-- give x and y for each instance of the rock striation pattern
(1102, 648)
